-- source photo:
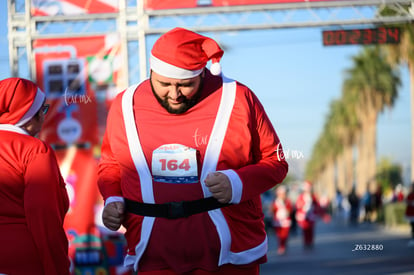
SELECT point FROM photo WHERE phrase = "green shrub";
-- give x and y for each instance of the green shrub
(394, 214)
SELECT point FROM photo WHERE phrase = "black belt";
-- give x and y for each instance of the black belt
(172, 210)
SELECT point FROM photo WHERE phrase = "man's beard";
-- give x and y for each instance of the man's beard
(186, 103)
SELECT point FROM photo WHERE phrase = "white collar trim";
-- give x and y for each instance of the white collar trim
(13, 128)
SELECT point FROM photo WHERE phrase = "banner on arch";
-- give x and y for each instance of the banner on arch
(173, 4)
(72, 7)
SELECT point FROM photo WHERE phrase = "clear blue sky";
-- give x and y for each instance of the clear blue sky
(296, 78)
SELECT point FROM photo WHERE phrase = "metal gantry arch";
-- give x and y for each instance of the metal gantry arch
(134, 23)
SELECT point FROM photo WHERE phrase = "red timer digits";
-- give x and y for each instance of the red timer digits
(381, 35)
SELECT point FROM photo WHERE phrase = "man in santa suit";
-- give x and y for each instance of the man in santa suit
(185, 157)
(282, 209)
(33, 198)
(307, 211)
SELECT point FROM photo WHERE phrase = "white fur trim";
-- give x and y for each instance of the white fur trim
(146, 229)
(144, 173)
(36, 105)
(171, 71)
(219, 131)
(250, 255)
(135, 148)
(236, 185)
(228, 257)
(224, 235)
(133, 260)
(114, 199)
(13, 128)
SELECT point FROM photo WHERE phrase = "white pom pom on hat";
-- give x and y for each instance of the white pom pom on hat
(215, 68)
(181, 54)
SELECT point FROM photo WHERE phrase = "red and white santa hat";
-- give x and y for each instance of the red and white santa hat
(181, 54)
(20, 100)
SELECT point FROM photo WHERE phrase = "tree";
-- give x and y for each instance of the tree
(373, 83)
(389, 174)
(370, 85)
(403, 54)
(322, 166)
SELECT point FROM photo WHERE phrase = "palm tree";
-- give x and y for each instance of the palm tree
(374, 84)
(322, 166)
(316, 165)
(353, 127)
(346, 128)
(403, 54)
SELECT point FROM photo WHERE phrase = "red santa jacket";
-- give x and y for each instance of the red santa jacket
(281, 213)
(241, 144)
(33, 204)
(307, 209)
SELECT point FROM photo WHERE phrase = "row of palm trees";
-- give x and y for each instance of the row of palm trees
(345, 152)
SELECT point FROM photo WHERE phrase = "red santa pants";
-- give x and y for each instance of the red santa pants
(308, 232)
(282, 233)
(223, 270)
(308, 235)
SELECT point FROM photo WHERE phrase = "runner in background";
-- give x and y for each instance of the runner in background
(282, 209)
(308, 211)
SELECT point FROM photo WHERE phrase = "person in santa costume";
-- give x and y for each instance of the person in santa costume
(33, 197)
(409, 212)
(185, 157)
(307, 212)
(282, 209)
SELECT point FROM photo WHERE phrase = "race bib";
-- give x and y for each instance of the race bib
(174, 163)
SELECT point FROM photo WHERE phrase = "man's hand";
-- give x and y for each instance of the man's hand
(220, 186)
(113, 215)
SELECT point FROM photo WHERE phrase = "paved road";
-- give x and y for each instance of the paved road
(333, 252)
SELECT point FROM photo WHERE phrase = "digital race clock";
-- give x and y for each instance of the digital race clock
(380, 35)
